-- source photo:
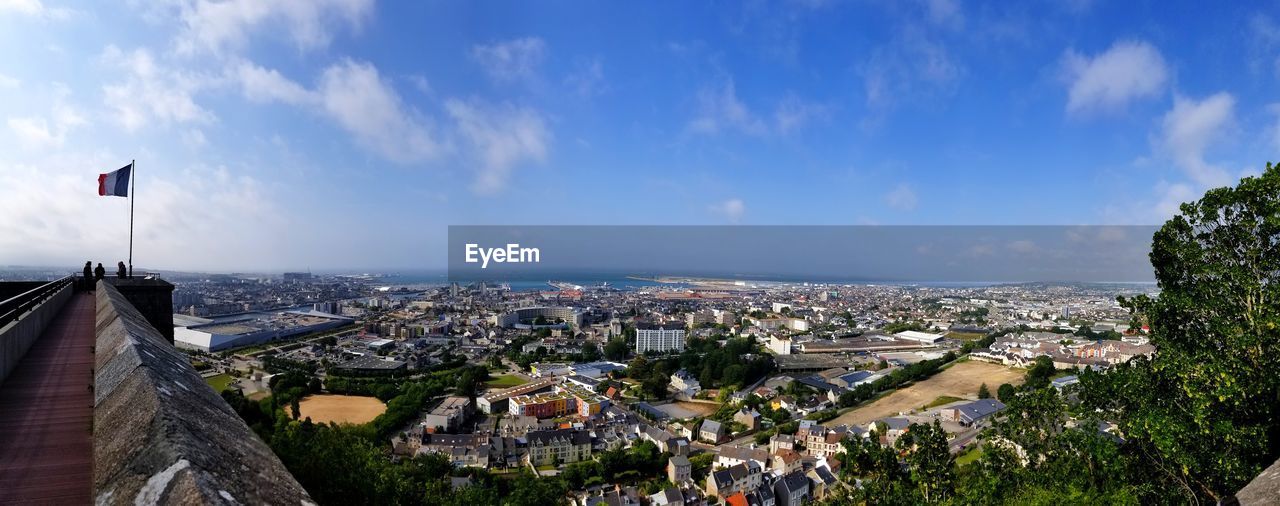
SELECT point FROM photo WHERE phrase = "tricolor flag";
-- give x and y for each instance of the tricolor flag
(115, 183)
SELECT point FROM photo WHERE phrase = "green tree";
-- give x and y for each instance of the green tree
(1203, 412)
(929, 462)
(1005, 393)
(616, 349)
(984, 392)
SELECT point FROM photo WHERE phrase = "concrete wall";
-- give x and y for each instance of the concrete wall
(152, 297)
(163, 436)
(17, 337)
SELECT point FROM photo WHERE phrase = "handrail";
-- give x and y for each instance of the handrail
(14, 307)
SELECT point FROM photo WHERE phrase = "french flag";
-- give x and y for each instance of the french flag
(115, 183)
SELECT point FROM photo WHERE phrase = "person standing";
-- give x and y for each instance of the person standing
(99, 272)
(87, 282)
(121, 272)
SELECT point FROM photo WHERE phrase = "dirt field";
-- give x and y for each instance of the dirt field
(341, 408)
(682, 409)
(960, 380)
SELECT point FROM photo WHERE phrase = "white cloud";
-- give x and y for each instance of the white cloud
(194, 138)
(902, 197)
(513, 60)
(794, 113)
(34, 8)
(215, 26)
(719, 109)
(500, 137)
(588, 79)
(36, 132)
(1127, 71)
(267, 85)
(151, 92)
(731, 209)
(356, 96)
(945, 13)
(910, 65)
(1190, 128)
(9, 81)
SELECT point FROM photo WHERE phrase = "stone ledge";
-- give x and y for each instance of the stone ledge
(163, 436)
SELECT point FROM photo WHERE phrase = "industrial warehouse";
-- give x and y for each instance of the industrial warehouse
(249, 329)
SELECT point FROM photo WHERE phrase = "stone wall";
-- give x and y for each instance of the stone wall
(152, 297)
(163, 436)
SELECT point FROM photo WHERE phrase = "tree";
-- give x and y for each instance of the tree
(616, 349)
(1005, 393)
(983, 392)
(1203, 411)
(590, 352)
(928, 460)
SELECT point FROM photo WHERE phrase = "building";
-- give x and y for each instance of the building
(561, 446)
(968, 413)
(448, 415)
(568, 398)
(711, 431)
(497, 402)
(253, 328)
(371, 364)
(791, 489)
(664, 338)
(730, 456)
(780, 345)
(528, 317)
(679, 469)
(924, 338)
(749, 418)
(685, 384)
(745, 478)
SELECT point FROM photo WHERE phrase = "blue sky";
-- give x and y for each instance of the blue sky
(350, 133)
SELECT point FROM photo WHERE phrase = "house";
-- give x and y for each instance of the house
(786, 461)
(711, 431)
(560, 446)
(892, 427)
(462, 450)
(749, 418)
(781, 442)
(731, 455)
(745, 477)
(821, 482)
(685, 384)
(1065, 382)
(679, 469)
(792, 489)
(669, 497)
(968, 413)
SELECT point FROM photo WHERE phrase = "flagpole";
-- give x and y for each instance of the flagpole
(133, 183)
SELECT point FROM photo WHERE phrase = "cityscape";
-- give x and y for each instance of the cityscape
(758, 253)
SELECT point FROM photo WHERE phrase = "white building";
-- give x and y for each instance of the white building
(920, 337)
(668, 337)
(780, 345)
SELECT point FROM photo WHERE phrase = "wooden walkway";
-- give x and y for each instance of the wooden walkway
(46, 414)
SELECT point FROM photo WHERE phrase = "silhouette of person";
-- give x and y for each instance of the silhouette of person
(87, 282)
(99, 272)
(121, 272)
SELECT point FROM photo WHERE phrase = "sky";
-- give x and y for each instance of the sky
(349, 134)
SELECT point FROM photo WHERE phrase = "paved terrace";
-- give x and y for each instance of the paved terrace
(97, 406)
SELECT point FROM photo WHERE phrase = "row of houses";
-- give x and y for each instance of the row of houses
(1023, 349)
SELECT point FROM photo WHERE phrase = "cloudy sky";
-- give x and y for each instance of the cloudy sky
(350, 133)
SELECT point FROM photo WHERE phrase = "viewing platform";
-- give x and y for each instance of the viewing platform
(97, 406)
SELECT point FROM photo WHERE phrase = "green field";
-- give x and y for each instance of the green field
(964, 336)
(506, 381)
(969, 457)
(219, 382)
(942, 399)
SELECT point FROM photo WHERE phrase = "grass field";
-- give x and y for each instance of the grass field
(341, 408)
(942, 399)
(219, 382)
(506, 381)
(960, 380)
(969, 457)
(965, 336)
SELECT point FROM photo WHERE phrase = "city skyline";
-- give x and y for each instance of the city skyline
(349, 134)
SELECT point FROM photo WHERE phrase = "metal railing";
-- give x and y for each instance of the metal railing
(14, 307)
